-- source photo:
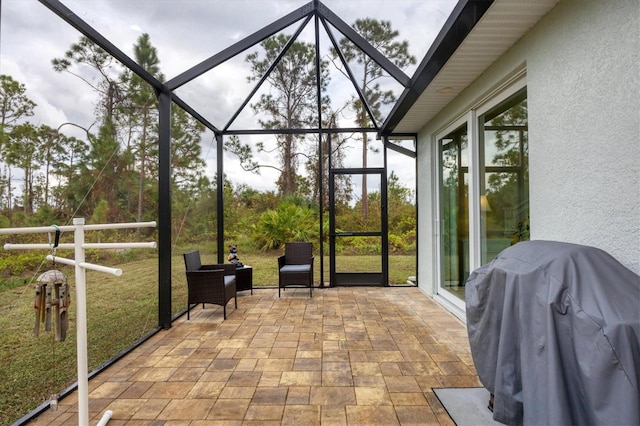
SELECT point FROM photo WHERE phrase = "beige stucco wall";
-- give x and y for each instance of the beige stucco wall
(584, 122)
(582, 72)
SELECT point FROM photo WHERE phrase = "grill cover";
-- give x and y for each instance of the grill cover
(554, 330)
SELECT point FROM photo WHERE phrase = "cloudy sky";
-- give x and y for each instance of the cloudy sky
(185, 32)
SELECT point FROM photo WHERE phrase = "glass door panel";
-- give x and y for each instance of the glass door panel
(454, 215)
(504, 209)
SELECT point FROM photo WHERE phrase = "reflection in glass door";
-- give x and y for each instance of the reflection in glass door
(358, 231)
(504, 191)
(454, 212)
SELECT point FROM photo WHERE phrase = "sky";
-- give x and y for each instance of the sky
(186, 32)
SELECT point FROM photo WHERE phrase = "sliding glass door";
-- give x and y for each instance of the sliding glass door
(454, 213)
(484, 189)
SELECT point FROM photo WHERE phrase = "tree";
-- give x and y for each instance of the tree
(291, 103)
(187, 163)
(103, 169)
(333, 146)
(144, 107)
(382, 37)
(24, 151)
(121, 164)
(53, 145)
(193, 193)
(14, 106)
(104, 164)
(83, 54)
(69, 164)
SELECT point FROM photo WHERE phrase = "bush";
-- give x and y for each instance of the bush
(19, 263)
(288, 222)
(402, 244)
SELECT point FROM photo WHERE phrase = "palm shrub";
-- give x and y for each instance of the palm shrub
(288, 222)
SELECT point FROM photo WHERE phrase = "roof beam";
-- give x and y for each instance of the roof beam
(189, 110)
(300, 131)
(400, 149)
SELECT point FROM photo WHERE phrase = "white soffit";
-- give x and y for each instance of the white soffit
(504, 23)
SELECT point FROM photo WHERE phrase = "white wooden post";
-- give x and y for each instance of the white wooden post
(79, 247)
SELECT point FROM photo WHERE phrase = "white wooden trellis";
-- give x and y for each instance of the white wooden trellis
(81, 266)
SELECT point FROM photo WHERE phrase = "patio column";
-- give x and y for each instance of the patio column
(320, 153)
(220, 196)
(164, 210)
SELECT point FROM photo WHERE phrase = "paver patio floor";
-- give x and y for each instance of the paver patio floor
(349, 355)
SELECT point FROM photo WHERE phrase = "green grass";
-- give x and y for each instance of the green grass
(120, 311)
(265, 267)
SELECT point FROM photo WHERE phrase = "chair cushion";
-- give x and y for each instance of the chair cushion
(295, 268)
(229, 279)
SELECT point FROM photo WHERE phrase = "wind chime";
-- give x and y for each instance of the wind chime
(52, 299)
(52, 294)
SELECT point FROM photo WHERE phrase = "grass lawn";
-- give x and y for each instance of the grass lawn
(120, 311)
(265, 267)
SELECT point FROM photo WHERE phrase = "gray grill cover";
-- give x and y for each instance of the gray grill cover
(554, 330)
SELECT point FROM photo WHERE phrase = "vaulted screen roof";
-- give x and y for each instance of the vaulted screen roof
(476, 33)
(313, 16)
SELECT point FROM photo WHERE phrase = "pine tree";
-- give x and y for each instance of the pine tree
(14, 107)
(292, 102)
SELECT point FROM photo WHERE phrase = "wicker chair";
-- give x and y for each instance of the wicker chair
(215, 283)
(295, 267)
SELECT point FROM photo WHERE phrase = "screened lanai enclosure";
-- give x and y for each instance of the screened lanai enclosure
(293, 119)
(319, 94)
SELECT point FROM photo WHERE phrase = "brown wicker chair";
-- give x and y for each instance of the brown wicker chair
(215, 283)
(295, 267)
